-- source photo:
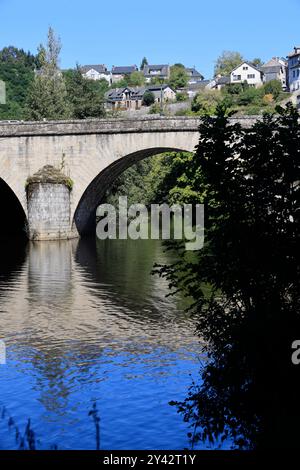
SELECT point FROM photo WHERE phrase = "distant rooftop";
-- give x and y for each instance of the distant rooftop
(123, 69)
(162, 68)
(295, 52)
(100, 68)
(193, 73)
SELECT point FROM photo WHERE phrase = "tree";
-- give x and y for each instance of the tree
(148, 98)
(47, 97)
(257, 62)
(86, 97)
(249, 387)
(273, 87)
(178, 76)
(136, 79)
(206, 102)
(16, 70)
(143, 63)
(227, 61)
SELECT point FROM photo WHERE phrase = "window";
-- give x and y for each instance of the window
(250, 75)
(245, 68)
(237, 77)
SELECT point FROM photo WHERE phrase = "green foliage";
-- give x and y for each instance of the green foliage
(16, 70)
(181, 96)
(227, 61)
(206, 101)
(248, 392)
(244, 99)
(257, 62)
(178, 77)
(157, 80)
(273, 87)
(123, 83)
(148, 98)
(136, 79)
(156, 180)
(85, 96)
(47, 97)
(156, 108)
(131, 183)
(143, 63)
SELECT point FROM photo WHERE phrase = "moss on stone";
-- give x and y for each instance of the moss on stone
(50, 174)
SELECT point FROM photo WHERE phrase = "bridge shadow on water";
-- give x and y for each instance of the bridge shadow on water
(13, 218)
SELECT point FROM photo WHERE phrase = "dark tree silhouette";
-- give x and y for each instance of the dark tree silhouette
(248, 392)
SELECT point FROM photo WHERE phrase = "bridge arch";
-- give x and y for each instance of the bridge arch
(13, 217)
(85, 213)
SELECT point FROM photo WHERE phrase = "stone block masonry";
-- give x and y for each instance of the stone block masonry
(49, 211)
(91, 154)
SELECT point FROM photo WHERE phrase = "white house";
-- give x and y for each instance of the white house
(96, 72)
(294, 69)
(247, 73)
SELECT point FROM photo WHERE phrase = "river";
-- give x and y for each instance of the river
(86, 324)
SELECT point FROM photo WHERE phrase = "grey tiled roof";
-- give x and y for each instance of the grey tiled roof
(100, 68)
(163, 69)
(199, 85)
(116, 94)
(158, 87)
(223, 80)
(124, 70)
(192, 72)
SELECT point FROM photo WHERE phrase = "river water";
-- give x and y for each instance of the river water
(86, 324)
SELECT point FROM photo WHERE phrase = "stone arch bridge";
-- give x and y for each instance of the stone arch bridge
(92, 153)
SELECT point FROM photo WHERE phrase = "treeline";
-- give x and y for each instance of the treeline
(37, 89)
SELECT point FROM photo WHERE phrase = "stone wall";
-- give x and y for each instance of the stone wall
(91, 153)
(49, 211)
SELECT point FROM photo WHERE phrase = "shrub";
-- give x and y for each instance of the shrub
(148, 98)
(273, 87)
(181, 96)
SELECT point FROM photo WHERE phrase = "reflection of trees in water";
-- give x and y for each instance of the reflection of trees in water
(68, 316)
(250, 389)
(123, 268)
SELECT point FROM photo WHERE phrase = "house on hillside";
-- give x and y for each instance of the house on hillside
(194, 76)
(294, 70)
(194, 88)
(248, 73)
(154, 71)
(118, 99)
(96, 72)
(276, 69)
(162, 92)
(127, 98)
(119, 72)
(218, 83)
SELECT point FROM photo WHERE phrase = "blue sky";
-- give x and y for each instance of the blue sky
(193, 32)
